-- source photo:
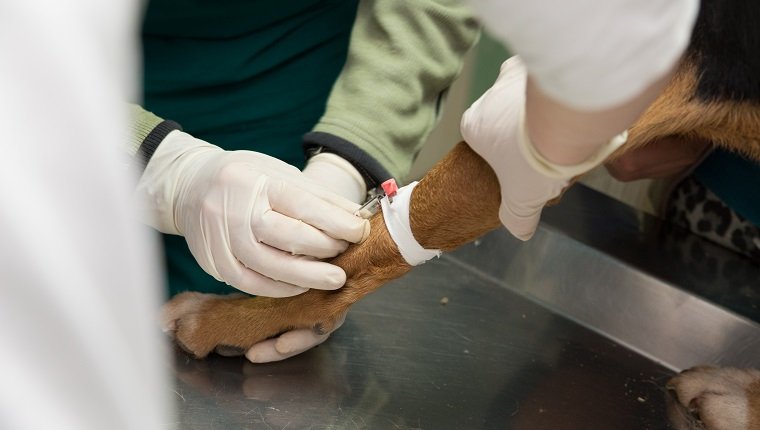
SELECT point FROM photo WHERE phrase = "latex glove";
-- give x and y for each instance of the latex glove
(250, 220)
(338, 175)
(288, 344)
(494, 127)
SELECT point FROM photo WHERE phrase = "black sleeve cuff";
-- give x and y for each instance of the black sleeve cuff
(151, 142)
(371, 170)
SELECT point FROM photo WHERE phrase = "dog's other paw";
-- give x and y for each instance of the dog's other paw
(715, 399)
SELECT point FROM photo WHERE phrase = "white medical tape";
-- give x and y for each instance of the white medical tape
(396, 217)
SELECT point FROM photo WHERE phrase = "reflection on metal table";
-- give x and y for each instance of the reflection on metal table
(562, 332)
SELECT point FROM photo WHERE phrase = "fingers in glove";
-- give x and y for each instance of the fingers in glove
(295, 236)
(256, 268)
(336, 222)
(285, 346)
(282, 266)
(252, 282)
(521, 226)
(257, 284)
(217, 258)
(289, 344)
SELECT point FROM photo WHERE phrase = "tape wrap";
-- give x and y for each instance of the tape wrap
(396, 217)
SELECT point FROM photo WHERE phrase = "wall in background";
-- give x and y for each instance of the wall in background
(480, 70)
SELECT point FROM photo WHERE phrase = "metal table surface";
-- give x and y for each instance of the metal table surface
(551, 334)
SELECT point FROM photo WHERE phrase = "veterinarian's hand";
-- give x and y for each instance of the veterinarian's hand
(337, 175)
(250, 220)
(494, 127)
(288, 344)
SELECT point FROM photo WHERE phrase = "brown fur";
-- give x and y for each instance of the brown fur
(753, 399)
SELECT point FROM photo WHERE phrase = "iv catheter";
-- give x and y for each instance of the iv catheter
(372, 205)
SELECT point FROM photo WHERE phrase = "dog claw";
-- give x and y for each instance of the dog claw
(319, 329)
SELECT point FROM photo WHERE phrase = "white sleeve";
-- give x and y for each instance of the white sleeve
(78, 287)
(592, 54)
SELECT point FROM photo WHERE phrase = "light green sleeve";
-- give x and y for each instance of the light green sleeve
(403, 56)
(146, 131)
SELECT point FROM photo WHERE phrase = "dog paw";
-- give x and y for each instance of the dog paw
(230, 325)
(186, 317)
(181, 305)
(716, 399)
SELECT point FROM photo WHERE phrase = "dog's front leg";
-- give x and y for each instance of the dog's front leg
(456, 202)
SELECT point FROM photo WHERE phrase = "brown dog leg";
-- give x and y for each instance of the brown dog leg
(456, 202)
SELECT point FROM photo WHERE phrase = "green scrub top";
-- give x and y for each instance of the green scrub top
(241, 74)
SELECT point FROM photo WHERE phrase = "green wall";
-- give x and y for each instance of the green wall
(489, 55)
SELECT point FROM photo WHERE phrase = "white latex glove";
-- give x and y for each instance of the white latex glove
(494, 127)
(337, 175)
(288, 344)
(341, 177)
(250, 220)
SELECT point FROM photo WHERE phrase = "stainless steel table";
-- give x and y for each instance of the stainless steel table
(563, 332)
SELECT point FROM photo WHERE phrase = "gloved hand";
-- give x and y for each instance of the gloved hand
(341, 177)
(337, 175)
(288, 344)
(494, 127)
(250, 220)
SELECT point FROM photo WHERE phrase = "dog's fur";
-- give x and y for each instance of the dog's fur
(715, 96)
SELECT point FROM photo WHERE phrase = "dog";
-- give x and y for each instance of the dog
(714, 96)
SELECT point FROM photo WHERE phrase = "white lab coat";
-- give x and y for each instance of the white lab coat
(592, 54)
(78, 284)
